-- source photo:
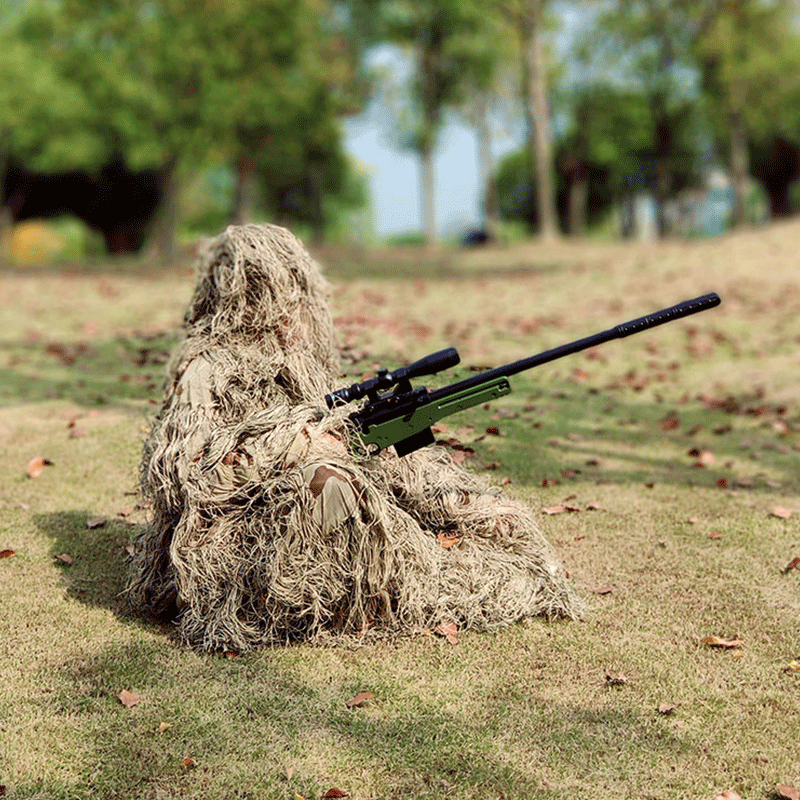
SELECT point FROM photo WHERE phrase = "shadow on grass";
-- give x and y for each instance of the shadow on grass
(110, 372)
(584, 437)
(98, 570)
(243, 721)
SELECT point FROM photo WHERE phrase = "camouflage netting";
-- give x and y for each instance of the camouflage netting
(266, 528)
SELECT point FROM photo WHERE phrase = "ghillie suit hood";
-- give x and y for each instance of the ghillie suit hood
(266, 527)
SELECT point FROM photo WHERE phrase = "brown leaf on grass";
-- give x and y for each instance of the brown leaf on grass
(793, 564)
(786, 792)
(593, 505)
(792, 666)
(670, 422)
(492, 465)
(447, 541)
(188, 763)
(2, 790)
(559, 509)
(128, 699)
(605, 589)
(717, 641)
(693, 520)
(36, 466)
(359, 699)
(505, 481)
(493, 431)
(334, 792)
(715, 535)
(666, 709)
(570, 473)
(7, 553)
(781, 512)
(96, 522)
(164, 726)
(448, 630)
(66, 558)
(615, 680)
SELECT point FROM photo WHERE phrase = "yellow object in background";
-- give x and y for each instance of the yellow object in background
(33, 242)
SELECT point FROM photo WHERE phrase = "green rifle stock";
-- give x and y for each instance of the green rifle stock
(403, 416)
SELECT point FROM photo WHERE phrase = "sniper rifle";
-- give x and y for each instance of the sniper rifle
(403, 417)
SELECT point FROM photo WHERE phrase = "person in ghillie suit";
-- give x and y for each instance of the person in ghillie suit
(266, 525)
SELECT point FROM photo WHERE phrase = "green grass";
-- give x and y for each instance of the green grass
(616, 434)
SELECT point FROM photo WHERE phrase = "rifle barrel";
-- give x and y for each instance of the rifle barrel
(684, 309)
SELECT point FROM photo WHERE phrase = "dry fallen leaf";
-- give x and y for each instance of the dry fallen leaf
(188, 763)
(793, 564)
(781, 512)
(666, 709)
(447, 541)
(66, 558)
(448, 630)
(615, 680)
(715, 535)
(334, 792)
(96, 522)
(716, 641)
(7, 553)
(36, 466)
(359, 699)
(670, 422)
(164, 726)
(792, 666)
(787, 792)
(128, 699)
(605, 589)
(288, 772)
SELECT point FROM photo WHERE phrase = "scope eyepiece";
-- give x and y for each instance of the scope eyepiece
(428, 365)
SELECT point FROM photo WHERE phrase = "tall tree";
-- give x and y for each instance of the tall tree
(749, 57)
(44, 118)
(649, 42)
(441, 36)
(529, 19)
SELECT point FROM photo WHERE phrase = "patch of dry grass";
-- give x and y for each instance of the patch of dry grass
(679, 545)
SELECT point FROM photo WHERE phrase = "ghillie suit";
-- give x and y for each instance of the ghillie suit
(266, 528)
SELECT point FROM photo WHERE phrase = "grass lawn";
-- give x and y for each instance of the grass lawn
(665, 469)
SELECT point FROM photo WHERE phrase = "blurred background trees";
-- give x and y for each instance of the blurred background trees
(213, 111)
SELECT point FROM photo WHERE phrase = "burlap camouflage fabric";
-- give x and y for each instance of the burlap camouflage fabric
(266, 527)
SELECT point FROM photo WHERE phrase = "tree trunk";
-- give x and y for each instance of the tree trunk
(740, 168)
(578, 198)
(316, 193)
(5, 208)
(243, 199)
(428, 203)
(169, 211)
(663, 175)
(540, 138)
(491, 209)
